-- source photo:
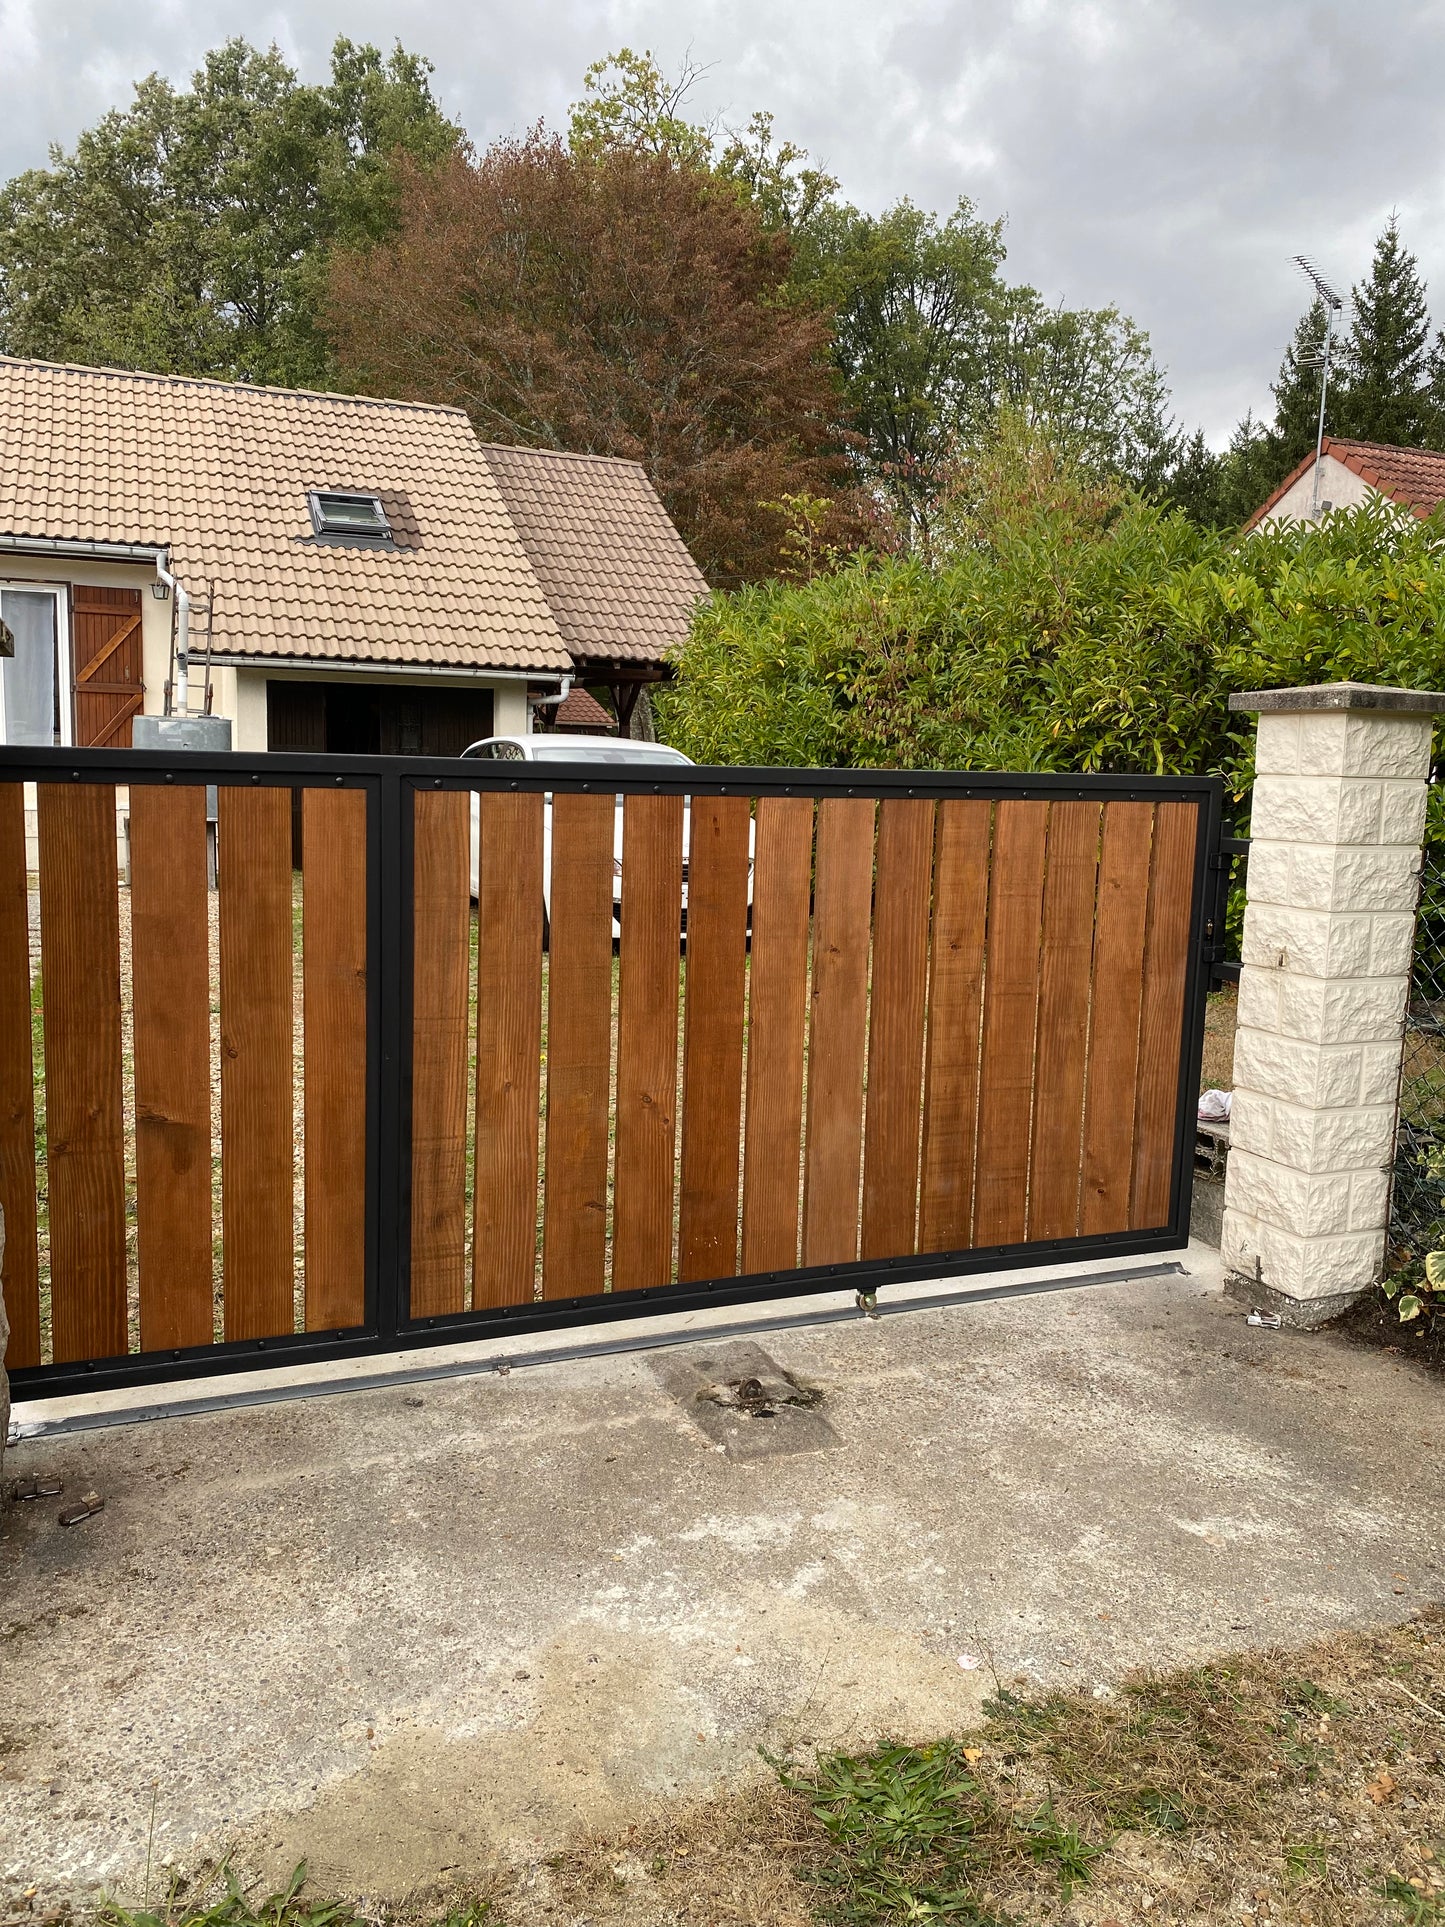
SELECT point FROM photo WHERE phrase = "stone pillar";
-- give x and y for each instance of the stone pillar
(1334, 858)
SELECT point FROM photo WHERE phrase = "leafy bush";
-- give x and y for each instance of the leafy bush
(1054, 641)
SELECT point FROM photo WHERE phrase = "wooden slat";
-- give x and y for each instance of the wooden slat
(1161, 1028)
(579, 1047)
(171, 993)
(777, 1023)
(509, 1049)
(257, 1151)
(333, 896)
(895, 1031)
(1068, 956)
(80, 968)
(712, 1077)
(833, 1158)
(955, 998)
(647, 1041)
(21, 1276)
(441, 909)
(1114, 1032)
(1010, 1012)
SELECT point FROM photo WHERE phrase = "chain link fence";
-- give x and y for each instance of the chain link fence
(1417, 1211)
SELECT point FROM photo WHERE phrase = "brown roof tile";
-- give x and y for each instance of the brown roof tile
(218, 472)
(617, 573)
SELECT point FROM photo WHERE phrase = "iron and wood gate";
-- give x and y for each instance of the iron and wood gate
(858, 1027)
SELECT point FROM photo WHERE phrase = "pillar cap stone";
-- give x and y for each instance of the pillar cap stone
(1340, 695)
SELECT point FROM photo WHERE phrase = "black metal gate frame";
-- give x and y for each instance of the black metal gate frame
(390, 783)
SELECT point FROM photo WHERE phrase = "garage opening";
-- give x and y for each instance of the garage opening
(371, 719)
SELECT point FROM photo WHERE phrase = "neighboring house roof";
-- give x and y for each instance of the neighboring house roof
(617, 573)
(1413, 477)
(578, 710)
(218, 473)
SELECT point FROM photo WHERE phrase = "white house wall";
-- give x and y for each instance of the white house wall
(1340, 487)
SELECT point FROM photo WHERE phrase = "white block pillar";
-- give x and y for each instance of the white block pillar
(1334, 858)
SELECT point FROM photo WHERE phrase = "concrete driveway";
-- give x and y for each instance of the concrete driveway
(406, 1629)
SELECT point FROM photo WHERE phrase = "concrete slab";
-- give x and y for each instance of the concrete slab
(404, 1629)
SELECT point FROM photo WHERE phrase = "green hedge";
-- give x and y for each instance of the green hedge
(1054, 646)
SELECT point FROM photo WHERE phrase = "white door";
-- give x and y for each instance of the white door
(34, 682)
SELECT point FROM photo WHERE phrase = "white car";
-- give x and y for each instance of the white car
(616, 751)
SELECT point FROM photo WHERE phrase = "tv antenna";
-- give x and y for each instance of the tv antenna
(1332, 306)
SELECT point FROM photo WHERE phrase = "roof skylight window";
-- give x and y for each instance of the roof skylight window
(350, 517)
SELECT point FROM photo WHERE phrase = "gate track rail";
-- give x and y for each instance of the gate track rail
(391, 783)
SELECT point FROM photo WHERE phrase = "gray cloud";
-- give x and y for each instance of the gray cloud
(1166, 155)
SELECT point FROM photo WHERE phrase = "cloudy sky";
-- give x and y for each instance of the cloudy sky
(1166, 155)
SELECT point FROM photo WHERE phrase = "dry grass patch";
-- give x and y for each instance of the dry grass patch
(1266, 1788)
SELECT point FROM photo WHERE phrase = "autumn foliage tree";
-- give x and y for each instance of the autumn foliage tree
(617, 302)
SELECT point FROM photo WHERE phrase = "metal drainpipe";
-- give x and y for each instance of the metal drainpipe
(554, 702)
(183, 634)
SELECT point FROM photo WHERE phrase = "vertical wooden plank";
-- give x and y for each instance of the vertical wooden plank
(1068, 957)
(1161, 1027)
(647, 1041)
(895, 1028)
(777, 1023)
(1109, 1102)
(171, 997)
(257, 1152)
(1010, 1012)
(842, 902)
(579, 1047)
(955, 1002)
(21, 1277)
(333, 932)
(712, 1075)
(509, 1049)
(441, 909)
(80, 969)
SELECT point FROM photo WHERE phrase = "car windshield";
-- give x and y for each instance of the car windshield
(559, 750)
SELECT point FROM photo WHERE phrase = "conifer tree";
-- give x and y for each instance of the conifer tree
(1384, 395)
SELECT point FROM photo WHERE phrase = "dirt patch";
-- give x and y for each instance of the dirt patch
(1272, 1787)
(1375, 1322)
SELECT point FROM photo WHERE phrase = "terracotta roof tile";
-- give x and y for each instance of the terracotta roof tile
(579, 710)
(218, 473)
(1413, 477)
(616, 572)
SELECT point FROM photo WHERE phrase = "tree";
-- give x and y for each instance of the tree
(916, 304)
(611, 300)
(1249, 472)
(1195, 484)
(1385, 393)
(631, 104)
(188, 233)
(1088, 378)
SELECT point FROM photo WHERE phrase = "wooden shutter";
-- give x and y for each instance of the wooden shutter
(105, 657)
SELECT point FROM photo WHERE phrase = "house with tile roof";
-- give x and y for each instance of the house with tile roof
(359, 578)
(1352, 472)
